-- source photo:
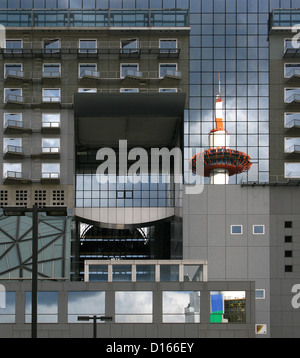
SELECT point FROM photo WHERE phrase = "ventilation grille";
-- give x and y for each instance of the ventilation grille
(21, 198)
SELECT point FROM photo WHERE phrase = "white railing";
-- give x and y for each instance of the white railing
(145, 270)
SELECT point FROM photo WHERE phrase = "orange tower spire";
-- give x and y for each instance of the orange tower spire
(219, 109)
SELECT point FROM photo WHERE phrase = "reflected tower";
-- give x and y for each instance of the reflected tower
(221, 162)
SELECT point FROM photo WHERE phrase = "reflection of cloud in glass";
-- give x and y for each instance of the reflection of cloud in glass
(133, 307)
(175, 302)
(85, 303)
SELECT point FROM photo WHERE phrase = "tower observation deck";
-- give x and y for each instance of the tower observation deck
(220, 162)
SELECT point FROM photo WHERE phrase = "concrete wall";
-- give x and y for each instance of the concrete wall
(207, 219)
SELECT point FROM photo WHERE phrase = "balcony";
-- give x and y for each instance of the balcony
(16, 75)
(89, 75)
(14, 100)
(13, 152)
(50, 178)
(12, 177)
(15, 127)
(171, 75)
(293, 74)
(51, 75)
(132, 75)
(51, 101)
(50, 153)
(293, 151)
(50, 127)
(145, 271)
(293, 99)
(292, 125)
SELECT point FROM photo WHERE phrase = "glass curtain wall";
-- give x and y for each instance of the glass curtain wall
(227, 37)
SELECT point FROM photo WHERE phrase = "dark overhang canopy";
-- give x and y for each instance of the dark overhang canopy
(143, 119)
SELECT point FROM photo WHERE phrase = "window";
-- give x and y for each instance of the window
(133, 307)
(52, 46)
(169, 273)
(288, 268)
(14, 46)
(288, 224)
(85, 303)
(51, 70)
(258, 229)
(291, 145)
(260, 294)
(129, 69)
(50, 170)
(51, 95)
(50, 145)
(291, 120)
(291, 69)
(122, 273)
(168, 90)
(292, 170)
(47, 307)
(13, 94)
(129, 46)
(129, 90)
(13, 119)
(87, 69)
(181, 307)
(8, 311)
(288, 253)
(291, 94)
(50, 120)
(168, 46)
(12, 145)
(87, 46)
(13, 69)
(236, 229)
(228, 307)
(12, 170)
(288, 239)
(168, 69)
(87, 90)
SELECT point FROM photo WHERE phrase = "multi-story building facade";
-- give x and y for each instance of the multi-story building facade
(85, 79)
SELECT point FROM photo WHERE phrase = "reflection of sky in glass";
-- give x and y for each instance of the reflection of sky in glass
(47, 307)
(7, 314)
(134, 307)
(85, 303)
(181, 306)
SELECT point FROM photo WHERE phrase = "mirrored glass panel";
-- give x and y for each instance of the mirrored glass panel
(228, 307)
(133, 307)
(85, 303)
(181, 307)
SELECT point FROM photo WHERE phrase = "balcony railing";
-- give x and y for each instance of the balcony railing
(50, 175)
(295, 97)
(84, 74)
(12, 98)
(51, 150)
(95, 18)
(50, 99)
(13, 175)
(293, 149)
(51, 74)
(13, 123)
(13, 149)
(145, 270)
(171, 74)
(14, 74)
(51, 124)
(295, 72)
